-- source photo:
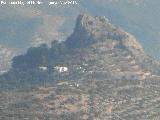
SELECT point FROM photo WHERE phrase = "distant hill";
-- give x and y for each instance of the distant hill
(6, 54)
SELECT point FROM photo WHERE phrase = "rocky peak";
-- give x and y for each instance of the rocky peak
(95, 29)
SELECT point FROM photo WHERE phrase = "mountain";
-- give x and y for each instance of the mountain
(98, 29)
(99, 72)
(27, 26)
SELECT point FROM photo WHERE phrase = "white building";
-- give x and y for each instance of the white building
(43, 68)
(61, 69)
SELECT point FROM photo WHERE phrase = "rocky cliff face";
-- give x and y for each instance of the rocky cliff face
(91, 29)
(96, 30)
